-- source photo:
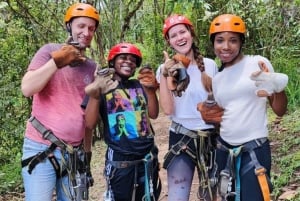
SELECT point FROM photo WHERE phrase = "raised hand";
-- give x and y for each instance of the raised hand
(147, 78)
(102, 84)
(268, 83)
(175, 71)
(69, 54)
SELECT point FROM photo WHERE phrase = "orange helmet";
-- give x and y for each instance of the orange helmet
(227, 22)
(82, 10)
(124, 48)
(174, 20)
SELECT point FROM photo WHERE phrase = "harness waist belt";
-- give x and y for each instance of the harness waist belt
(246, 147)
(124, 164)
(178, 128)
(48, 134)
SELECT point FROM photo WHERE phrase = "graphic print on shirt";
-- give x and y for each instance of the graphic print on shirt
(127, 114)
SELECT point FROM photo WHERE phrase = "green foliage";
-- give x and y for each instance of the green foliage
(272, 31)
(286, 154)
(10, 176)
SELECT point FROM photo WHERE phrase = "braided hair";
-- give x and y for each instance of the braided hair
(205, 79)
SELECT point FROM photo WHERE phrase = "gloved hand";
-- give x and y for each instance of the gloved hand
(210, 114)
(102, 84)
(87, 161)
(182, 80)
(268, 83)
(147, 77)
(169, 63)
(68, 54)
(210, 111)
(175, 71)
(183, 59)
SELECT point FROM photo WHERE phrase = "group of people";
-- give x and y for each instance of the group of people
(218, 120)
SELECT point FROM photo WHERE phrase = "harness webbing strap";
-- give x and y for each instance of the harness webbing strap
(176, 149)
(260, 172)
(148, 190)
(124, 164)
(49, 135)
(34, 160)
(236, 152)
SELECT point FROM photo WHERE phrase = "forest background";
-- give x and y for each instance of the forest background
(273, 30)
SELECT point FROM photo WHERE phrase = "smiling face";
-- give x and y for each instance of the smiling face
(180, 39)
(227, 46)
(125, 65)
(83, 30)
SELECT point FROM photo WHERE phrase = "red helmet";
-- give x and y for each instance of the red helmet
(124, 48)
(174, 20)
(82, 10)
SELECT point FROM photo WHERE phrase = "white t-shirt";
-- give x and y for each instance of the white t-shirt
(245, 115)
(185, 107)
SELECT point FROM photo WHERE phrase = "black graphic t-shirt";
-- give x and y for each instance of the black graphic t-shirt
(124, 113)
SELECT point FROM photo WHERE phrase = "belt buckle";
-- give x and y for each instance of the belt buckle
(124, 164)
(176, 149)
(177, 128)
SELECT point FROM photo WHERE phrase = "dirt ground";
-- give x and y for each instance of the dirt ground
(160, 126)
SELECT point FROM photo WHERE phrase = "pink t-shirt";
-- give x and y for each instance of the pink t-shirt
(57, 106)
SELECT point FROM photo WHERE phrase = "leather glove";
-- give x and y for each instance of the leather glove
(87, 161)
(182, 58)
(147, 78)
(167, 66)
(175, 71)
(210, 111)
(182, 80)
(268, 83)
(102, 84)
(66, 55)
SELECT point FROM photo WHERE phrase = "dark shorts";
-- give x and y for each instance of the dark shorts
(250, 189)
(122, 179)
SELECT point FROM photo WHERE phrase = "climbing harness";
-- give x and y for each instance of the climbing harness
(148, 183)
(233, 172)
(203, 155)
(74, 166)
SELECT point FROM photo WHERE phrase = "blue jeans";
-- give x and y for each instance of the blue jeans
(41, 183)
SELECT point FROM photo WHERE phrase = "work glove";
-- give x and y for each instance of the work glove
(210, 111)
(175, 71)
(102, 84)
(268, 83)
(68, 54)
(87, 161)
(147, 77)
